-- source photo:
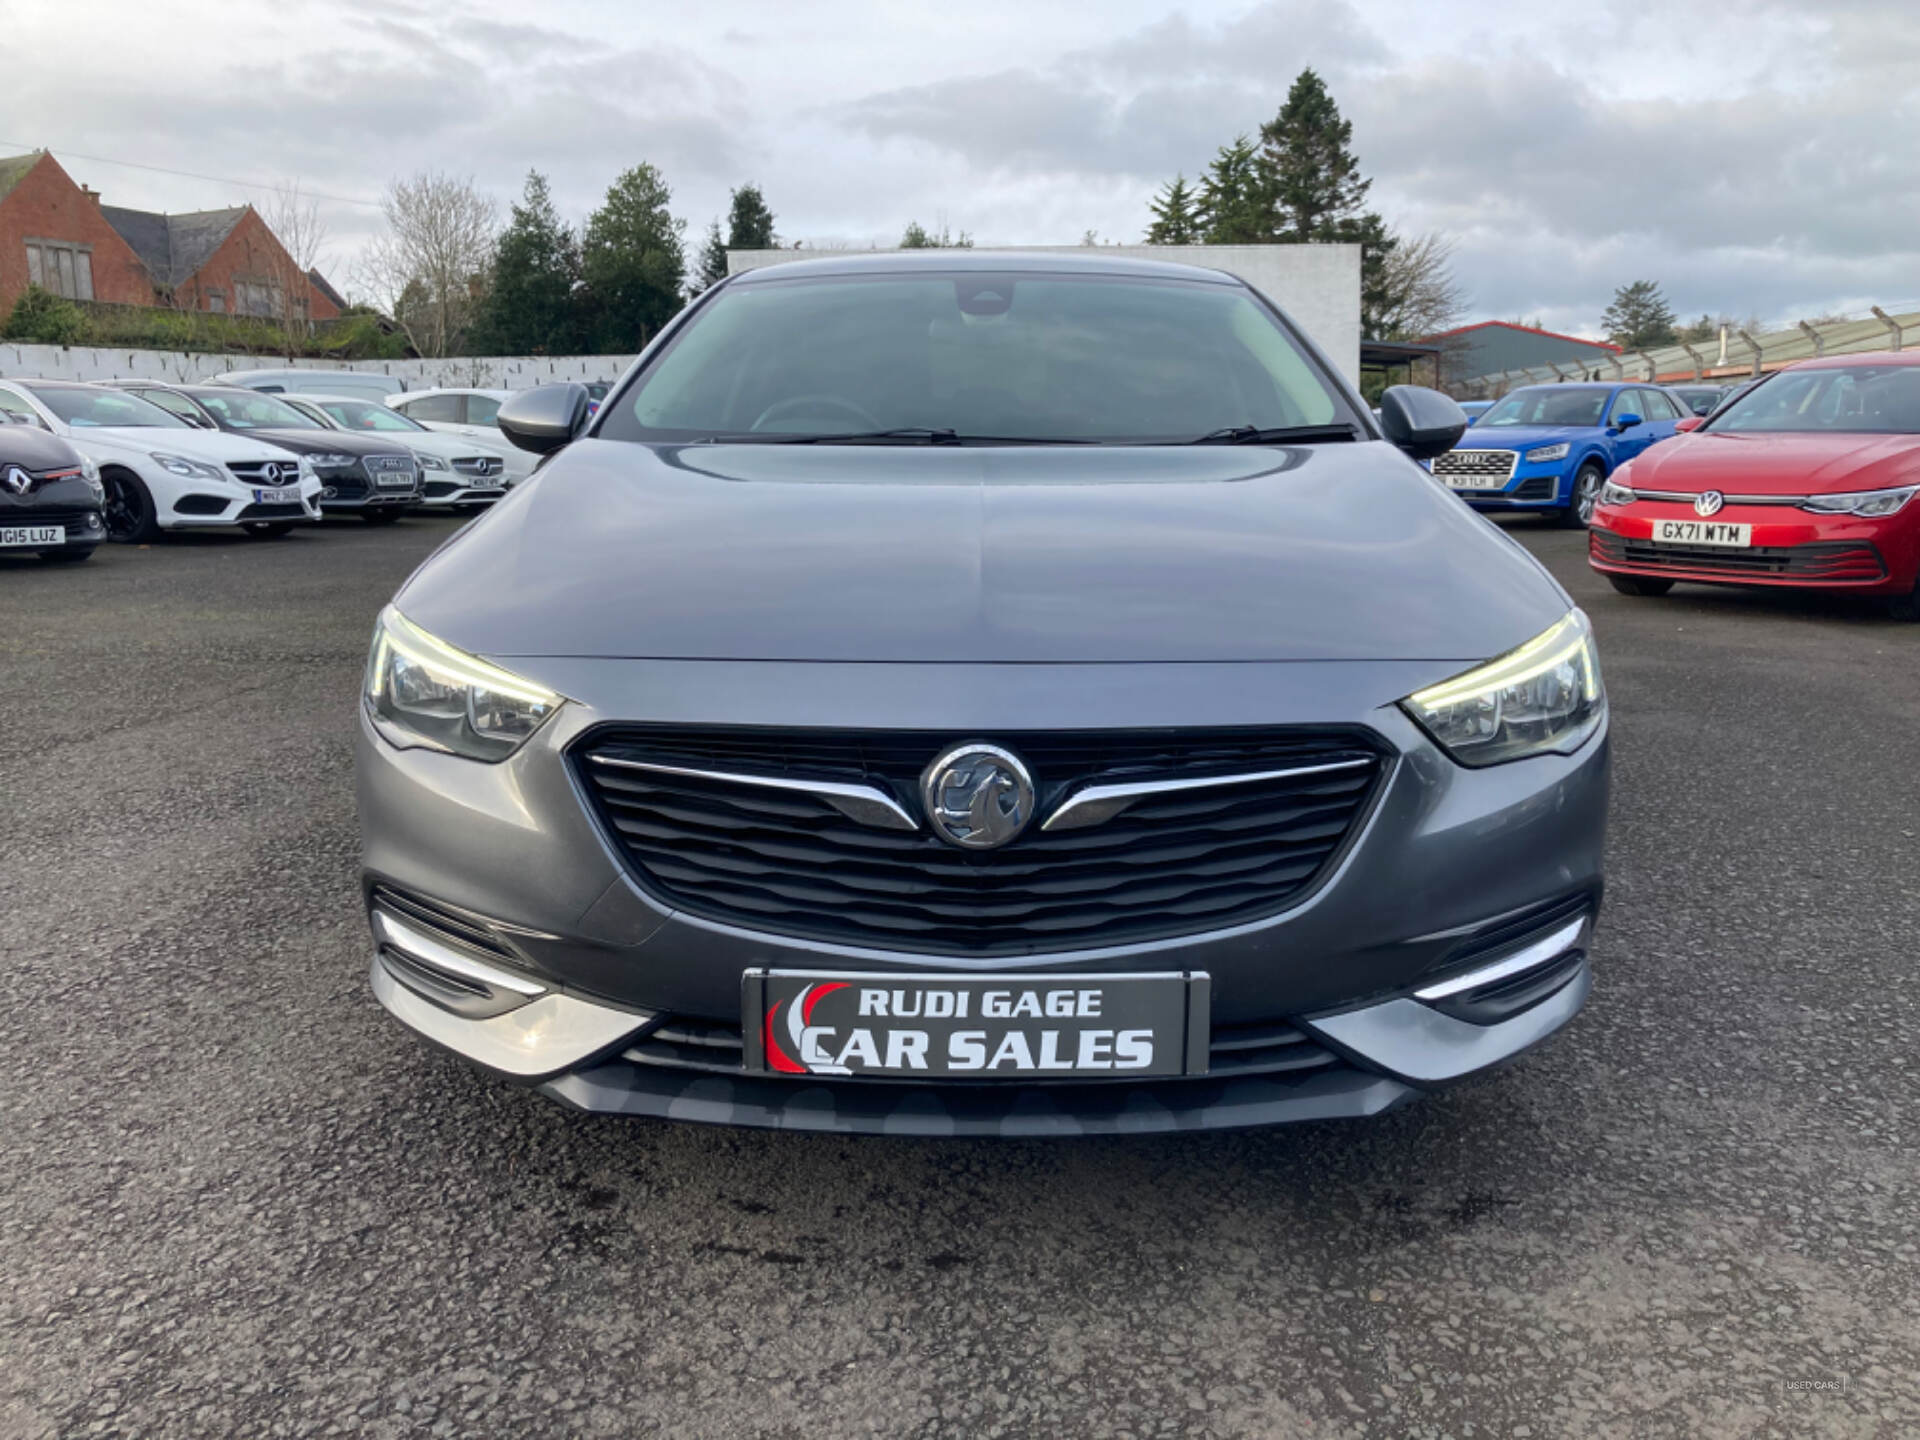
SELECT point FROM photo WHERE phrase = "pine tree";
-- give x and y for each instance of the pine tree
(713, 261)
(1176, 220)
(1234, 199)
(1307, 156)
(531, 305)
(750, 222)
(1639, 317)
(633, 261)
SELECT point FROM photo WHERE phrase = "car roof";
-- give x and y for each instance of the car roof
(454, 390)
(981, 262)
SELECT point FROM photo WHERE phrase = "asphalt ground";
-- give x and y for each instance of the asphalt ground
(235, 1198)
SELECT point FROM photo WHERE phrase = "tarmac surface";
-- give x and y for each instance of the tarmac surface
(236, 1198)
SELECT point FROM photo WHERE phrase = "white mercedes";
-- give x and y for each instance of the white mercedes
(161, 473)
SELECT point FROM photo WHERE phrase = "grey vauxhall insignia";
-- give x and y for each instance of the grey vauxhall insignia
(982, 694)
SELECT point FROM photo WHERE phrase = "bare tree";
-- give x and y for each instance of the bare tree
(296, 222)
(428, 268)
(1422, 297)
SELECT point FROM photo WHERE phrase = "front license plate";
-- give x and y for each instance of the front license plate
(282, 495)
(393, 481)
(1702, 532)
(1477, 482)
(32, 536)
(967, 1027)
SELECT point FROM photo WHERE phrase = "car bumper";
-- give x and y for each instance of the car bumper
(445, 494)
(1451, 870)
(1791, 549)
(194, 510)
(1542, 486)
(68, 504)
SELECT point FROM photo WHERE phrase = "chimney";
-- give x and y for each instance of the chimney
(91, 193)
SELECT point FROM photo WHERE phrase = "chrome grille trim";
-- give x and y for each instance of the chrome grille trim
(1480, 463)
(862, 804)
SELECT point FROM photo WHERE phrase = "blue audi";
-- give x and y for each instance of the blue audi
(1550, 448)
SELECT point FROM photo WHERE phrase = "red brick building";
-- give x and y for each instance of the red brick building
(59, 236)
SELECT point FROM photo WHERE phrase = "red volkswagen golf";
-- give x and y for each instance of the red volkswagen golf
(1805, 481)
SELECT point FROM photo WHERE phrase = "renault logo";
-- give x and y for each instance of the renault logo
(16, 479)
(977, 796)
(1708, 502)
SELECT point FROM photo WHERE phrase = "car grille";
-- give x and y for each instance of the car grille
(381, 468)
(1498, 463)
(479, 467)
(265, 472)
(1836, 560)
(74, 520)
(682, 1043)
(783, 862)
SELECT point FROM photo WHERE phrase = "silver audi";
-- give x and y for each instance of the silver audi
(969, 694)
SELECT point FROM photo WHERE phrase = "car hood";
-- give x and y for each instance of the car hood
(445, 446)
(1802, 464)
(982, 555)
(1523, 437)
(330, 442)
(214, 446)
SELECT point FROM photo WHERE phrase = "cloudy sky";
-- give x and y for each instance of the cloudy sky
(1753, 156)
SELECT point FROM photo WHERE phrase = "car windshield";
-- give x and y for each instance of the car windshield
(1551, 406)
(248, 410)
(359, 415)
(989, 355)
(1856, 399)
(85, 408)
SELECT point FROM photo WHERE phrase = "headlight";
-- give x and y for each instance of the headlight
(423, 693)
(1544, 696)
(1861, 502)
(1614, 493)
(305, 466)
(90, 472)
(331, 461)
(1548, 452)
(429, 462)
(192, 469)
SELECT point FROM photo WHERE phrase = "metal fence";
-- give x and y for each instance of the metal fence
(1734, 354)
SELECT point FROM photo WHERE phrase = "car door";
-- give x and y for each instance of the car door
(437, 412)
(1629, 442)
(1663, 413)
(482, 424)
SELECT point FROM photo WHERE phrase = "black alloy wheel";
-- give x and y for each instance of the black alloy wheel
(128, 512)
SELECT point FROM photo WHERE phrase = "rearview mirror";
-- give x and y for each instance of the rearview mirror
(1689, 422)
(545, 418)
(1422, 422)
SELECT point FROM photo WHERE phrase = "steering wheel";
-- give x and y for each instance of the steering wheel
(799, 402)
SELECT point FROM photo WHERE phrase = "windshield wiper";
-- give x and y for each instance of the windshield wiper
(1289, 434)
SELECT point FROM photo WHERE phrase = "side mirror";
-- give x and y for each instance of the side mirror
(1422, 422)
(1688, 422)
(544, 419)
(1472, 420)
(1625, 421)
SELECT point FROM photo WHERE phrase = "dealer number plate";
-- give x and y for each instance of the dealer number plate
(1477, 482)
(283, 495)
(32, 536)
(1702, 532)
(969, 1027)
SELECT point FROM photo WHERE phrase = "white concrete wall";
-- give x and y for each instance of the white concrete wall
(508, 372)
(1317, 285)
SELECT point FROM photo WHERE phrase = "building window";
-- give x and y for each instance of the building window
(217, 301)
(60, 268)
(256, 297)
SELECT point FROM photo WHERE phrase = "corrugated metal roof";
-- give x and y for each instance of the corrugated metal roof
(1742, 354)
